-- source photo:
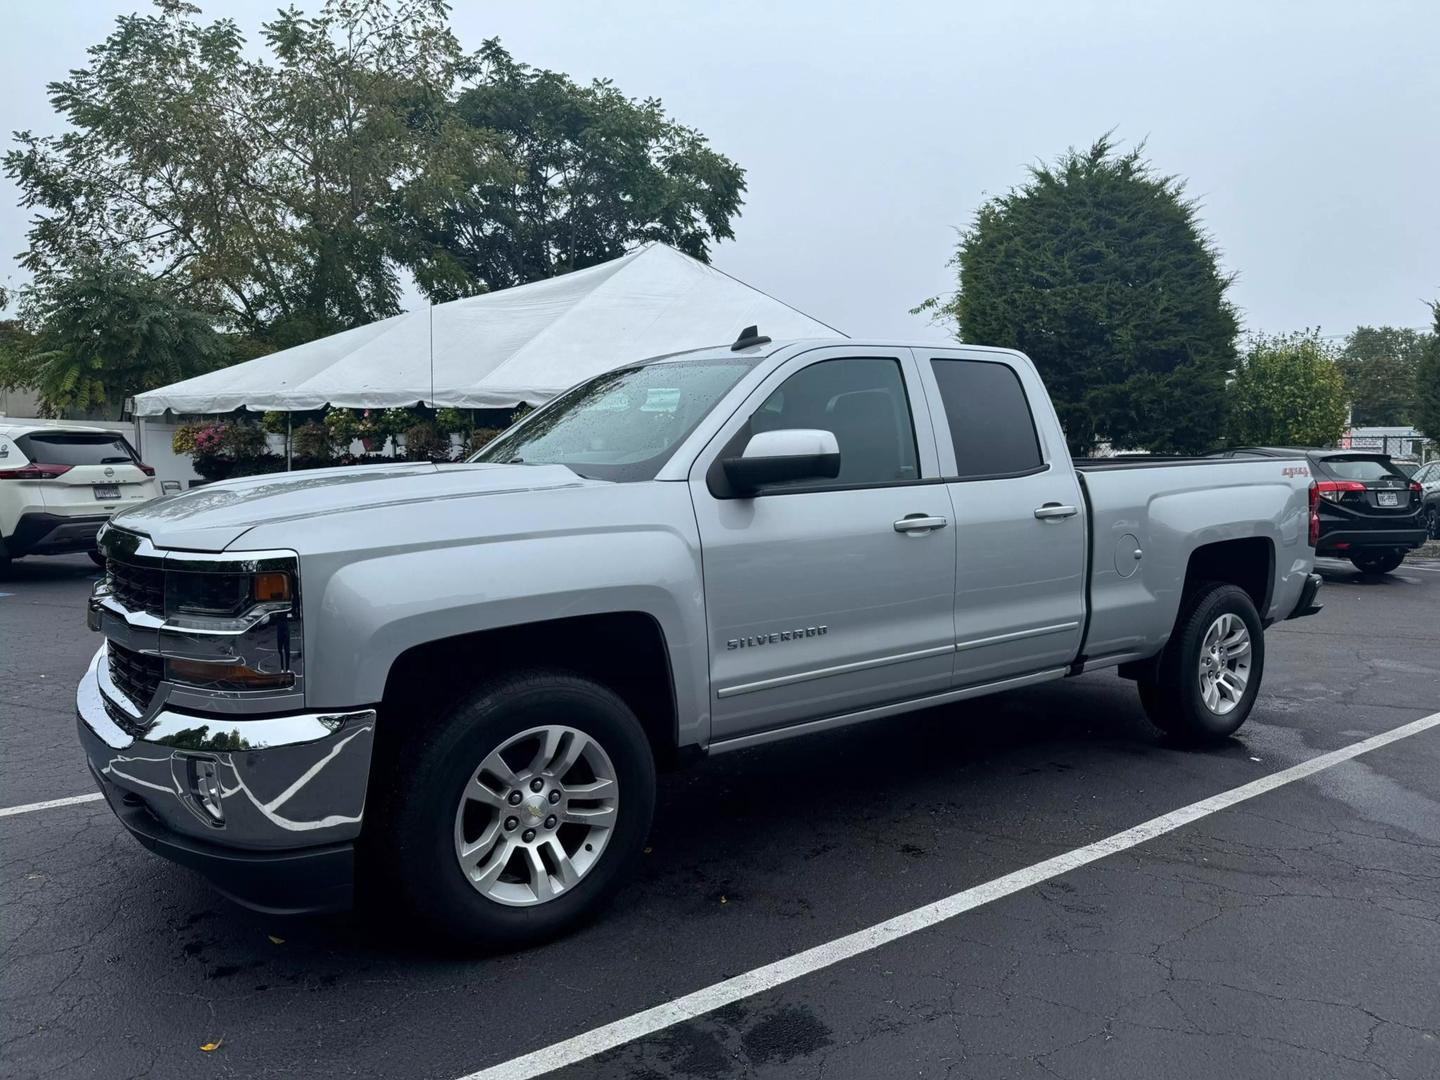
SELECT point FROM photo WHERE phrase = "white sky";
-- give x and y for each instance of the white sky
(1310, 130)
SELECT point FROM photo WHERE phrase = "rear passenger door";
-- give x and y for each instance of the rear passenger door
(1019, 516)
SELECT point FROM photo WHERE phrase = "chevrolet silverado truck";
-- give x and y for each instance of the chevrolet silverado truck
(453, 683)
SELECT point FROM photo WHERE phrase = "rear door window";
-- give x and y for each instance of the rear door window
(76, 448)
(989, 417)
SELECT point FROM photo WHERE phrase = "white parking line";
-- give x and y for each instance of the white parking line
(647, 1022)
(30, 808)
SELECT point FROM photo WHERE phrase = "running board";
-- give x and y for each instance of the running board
(809, 727)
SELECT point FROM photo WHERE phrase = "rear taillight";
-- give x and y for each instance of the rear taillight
(1314, 516)
(148, 470)
(34, 472)
(1417, 488)
(1335, 490)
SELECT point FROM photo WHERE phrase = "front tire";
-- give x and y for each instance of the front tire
(514, 817)
(1378, 563)
(1210, 672)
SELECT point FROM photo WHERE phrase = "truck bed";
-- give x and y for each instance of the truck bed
(1167, 507)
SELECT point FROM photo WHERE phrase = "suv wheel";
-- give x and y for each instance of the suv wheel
(1432, 522)
(514, 817)
(1378, 562)
(1210, 671)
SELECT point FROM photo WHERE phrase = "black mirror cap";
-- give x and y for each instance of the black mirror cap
(746, 476)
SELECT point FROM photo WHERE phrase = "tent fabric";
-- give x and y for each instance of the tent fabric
(524, 344)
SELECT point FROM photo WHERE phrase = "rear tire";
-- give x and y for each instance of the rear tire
(1432, 522)
(1210, 672)
(450, 792)
(1378, 563)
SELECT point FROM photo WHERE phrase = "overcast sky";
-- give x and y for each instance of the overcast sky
(869, 132)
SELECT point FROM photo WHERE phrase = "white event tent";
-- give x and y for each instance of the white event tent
(524, 344)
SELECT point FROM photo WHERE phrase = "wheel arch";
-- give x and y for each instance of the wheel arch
(1247, 562)
(625, 651)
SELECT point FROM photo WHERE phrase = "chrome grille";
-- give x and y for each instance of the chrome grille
(137, 588)
(134, 674)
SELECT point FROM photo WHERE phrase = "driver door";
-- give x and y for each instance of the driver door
(820, 599)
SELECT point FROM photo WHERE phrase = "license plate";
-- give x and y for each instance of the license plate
(107, 492)
(1389, 498)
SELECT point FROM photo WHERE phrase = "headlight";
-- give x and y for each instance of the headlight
(226, 596)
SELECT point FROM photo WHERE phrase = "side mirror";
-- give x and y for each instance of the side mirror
(775, 457)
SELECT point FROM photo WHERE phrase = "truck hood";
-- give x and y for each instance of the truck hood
(213, 517)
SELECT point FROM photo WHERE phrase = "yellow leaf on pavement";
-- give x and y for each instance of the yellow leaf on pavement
(207, 1047)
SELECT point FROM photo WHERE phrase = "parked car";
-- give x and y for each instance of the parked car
(468, 673)
(1428, 477)
(1370, 512)
(60, 482)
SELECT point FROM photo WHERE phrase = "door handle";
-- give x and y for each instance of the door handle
(1054, 511)
(920, 523)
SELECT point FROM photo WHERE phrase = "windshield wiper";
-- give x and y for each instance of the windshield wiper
(114, 461)
(516, 461)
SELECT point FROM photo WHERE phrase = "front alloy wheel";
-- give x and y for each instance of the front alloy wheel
(500, 822)
(536, 816)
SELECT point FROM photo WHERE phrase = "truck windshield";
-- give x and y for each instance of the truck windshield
(622, 425)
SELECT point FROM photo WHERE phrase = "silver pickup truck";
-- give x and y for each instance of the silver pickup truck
(454, 683)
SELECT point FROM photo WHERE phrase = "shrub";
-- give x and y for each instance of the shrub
(310, 440)
(480, 438)
(426, 442)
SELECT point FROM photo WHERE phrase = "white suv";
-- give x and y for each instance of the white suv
(59, 483)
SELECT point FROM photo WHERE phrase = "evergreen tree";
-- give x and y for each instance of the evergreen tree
(1097, 268)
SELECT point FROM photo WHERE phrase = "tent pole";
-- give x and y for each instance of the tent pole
(287, 440)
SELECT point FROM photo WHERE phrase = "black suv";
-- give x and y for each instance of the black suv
(1370, 512)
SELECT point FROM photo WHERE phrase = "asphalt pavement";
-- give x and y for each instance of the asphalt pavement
(1295, 934)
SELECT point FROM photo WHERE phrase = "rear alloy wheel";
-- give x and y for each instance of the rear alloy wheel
(1378, 562)
(512, 818)
(1209, 674)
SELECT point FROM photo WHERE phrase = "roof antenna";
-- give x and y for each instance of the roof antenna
(748, 337)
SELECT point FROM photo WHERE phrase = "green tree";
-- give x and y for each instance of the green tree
(256, 187)
(105, 333)
(1098, 269)
(1379, 363)
(1288, 391)
(1427, 383)
(582, 173)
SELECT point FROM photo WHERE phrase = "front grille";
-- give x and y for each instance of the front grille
(137, 588)
(135, 675)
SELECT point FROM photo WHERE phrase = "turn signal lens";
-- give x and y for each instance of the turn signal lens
(225, 676)
(272, 587)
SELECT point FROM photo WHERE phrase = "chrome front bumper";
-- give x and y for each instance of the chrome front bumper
(257, 784)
